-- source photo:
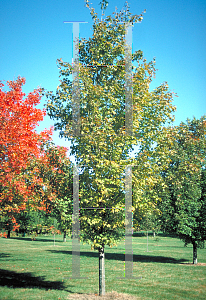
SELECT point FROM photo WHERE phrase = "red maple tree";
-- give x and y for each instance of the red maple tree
(19, 143)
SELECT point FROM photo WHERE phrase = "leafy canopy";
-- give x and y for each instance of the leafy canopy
(102, 149)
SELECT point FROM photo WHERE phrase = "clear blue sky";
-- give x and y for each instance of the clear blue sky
(33, 36)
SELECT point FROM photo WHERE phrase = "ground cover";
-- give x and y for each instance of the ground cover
(39, 270)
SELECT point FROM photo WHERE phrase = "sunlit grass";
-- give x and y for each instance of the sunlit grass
(40, 270)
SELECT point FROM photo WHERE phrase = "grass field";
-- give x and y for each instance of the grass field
(39, 270)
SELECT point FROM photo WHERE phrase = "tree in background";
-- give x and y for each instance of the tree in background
(102, 148)
(146, 215)
(57, 176)
(53, 197)
(147, 180)
(148, 221)
(183, 191)
(18, 142)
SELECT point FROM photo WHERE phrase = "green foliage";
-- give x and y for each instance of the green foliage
(102, 148)
(148, 221)
(183, 193)
(104, 4)
(6, 223)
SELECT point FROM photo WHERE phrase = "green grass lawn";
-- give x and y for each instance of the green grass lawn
(39, 270)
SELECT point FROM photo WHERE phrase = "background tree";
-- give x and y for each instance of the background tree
(57, 175)
(146, 215)
(102, 148)
(18, 142)
(54, 195)
(148, 221)
(147, 180)
(183, 193)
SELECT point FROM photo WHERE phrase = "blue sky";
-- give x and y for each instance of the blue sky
(33, 36)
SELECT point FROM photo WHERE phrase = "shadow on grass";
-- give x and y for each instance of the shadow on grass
(26, 280)
(158, 235)
(37, 239)
(121, 257)
(4, 255)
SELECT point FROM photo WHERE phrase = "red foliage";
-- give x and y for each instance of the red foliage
(19, 142)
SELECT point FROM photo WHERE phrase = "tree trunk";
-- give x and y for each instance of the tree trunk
(65, 237)
(194, 253)
(101, 272)
(8, 234)
(147, 241)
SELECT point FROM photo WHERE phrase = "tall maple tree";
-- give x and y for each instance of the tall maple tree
(102, 148)
(18, 143)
